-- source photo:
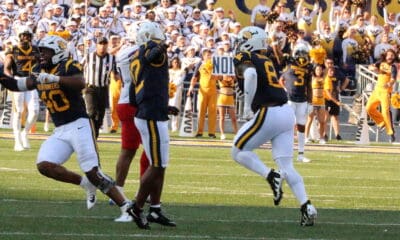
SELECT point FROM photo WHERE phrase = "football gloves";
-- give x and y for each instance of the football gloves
(173, 110)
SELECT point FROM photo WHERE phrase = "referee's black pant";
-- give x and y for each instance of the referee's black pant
(96, 100)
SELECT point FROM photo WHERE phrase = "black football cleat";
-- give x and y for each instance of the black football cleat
(156, 216)
(275, 180)
(138, 216)
(308, 214)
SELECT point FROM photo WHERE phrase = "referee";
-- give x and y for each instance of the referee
(98, 66)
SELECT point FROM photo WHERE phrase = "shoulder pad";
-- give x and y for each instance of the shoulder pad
(241, 57)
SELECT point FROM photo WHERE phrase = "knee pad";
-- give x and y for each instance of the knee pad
(103, 182)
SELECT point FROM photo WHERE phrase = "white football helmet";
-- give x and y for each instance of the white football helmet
(149, 31)
(25, 30)
(251, 39)
(58, 45)
(301, 55)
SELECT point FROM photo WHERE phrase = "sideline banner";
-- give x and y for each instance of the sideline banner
(6, 109)
(186, 128)
(223, 65)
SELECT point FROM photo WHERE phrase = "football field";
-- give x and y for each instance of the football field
(355, 190)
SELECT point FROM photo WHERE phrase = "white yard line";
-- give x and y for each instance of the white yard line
(145, 236)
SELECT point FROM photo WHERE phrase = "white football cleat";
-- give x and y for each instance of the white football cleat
(303, 159)
(125, 217)
(25, 140)
(18, 147)
(90, 189)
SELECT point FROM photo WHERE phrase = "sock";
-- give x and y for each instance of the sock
(158, 206)
(84, 182)
(300, 141)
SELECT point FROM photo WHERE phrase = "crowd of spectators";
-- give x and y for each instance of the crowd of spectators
(350, 34)
(344, 31)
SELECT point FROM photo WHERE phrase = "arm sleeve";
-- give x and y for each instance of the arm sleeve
(17, 85)
(9, 83)
(250, 86)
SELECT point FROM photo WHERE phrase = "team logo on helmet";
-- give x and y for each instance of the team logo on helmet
(248, 35)
(62, 45)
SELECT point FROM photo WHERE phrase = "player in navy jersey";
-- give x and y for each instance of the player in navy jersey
(20, 61)
(150, 76)
(270, 119)
(297, 81)
(59, 87)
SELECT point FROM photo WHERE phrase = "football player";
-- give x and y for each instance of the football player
(20, 61)
(270, 119)
(151, 80)
(59, 87)
(130, 137)
(296, 80)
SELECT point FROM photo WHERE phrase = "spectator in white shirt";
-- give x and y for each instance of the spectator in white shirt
(259, 14)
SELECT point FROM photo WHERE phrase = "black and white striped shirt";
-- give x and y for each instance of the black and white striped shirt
(97, 69)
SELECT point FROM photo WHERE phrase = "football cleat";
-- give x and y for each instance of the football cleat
(125, 217)
(156, 216)
(18, 147)
(303, 159)
(275, 180)
(25, 140)
(18, 142)
(91, 198)
(308, 214)
(138, 216)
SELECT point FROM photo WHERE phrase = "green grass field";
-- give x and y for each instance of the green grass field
(357, 195)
